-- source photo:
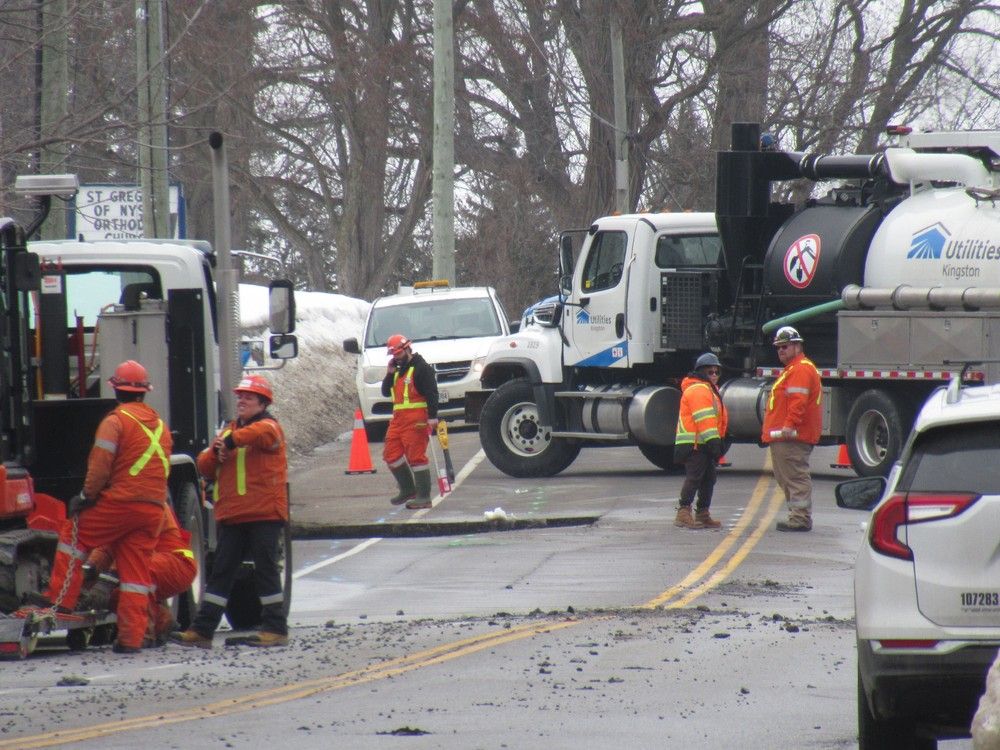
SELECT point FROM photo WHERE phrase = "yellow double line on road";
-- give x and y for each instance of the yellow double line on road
(714, 569)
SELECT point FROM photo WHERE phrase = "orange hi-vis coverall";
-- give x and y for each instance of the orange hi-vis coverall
(127, 472)
(414, 399)
(172, 566)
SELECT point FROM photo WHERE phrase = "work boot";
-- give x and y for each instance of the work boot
(191, 637)
(263, 639)
(423, 498)
(706, 521)
(795, 524)
(404, 478)
(685, 519)
(121, 648)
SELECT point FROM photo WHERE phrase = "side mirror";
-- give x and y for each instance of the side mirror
(566, 263)
(860, 494)
(281, 302)
(284, 346)
(351, 346)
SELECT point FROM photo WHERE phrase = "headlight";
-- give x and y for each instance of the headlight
(477, 365)
(372, 375)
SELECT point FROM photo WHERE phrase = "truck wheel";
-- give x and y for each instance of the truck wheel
(876, 429)
(513, 439)
(661, 456)
(187, 505)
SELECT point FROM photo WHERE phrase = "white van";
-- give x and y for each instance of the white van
(449, 327)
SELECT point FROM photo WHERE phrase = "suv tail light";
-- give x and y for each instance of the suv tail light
(913, 507)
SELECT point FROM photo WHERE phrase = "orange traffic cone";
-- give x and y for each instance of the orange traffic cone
(724, 462)
(361, 458)
(843, 460)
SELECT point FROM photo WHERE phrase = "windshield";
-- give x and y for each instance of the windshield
(88, 290)
(433, 319)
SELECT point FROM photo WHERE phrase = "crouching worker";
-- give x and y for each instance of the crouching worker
(121, 506)
(701, 427)
(247, 461)
(172, 570)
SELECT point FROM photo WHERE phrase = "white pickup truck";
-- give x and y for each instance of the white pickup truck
(449, 327)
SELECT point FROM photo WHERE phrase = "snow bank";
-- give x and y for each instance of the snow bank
(314, 394)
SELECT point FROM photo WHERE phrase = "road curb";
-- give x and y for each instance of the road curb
(432, 528)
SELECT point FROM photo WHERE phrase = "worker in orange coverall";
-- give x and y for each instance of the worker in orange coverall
(172, 569)
(411, 382)
(121, 505)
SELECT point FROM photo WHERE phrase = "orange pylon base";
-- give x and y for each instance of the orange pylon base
(724, 462)
(360, 461)
(843, 460)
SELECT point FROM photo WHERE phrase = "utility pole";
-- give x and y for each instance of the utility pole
(621, 117)
(54, 104)
(152, 130)
(443, 175)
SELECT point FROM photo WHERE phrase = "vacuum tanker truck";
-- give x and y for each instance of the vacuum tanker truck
(892, 277)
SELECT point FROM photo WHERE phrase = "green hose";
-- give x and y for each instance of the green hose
(808, 312)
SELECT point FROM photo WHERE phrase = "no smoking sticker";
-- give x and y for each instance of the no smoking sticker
(802, 260)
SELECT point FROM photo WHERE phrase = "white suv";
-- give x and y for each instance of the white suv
(927, 578)
(449, 327)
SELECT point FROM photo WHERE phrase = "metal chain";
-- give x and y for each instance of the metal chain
(68, 578)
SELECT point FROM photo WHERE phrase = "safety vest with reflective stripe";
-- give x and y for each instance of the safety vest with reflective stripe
(250, 485)
(401, 388)
(702, 414)
(795, 402)
(134, 475)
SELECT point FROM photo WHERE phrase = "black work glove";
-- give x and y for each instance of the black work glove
(713, 449)
(78, 503)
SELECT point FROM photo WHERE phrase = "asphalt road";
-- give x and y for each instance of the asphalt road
(626, 631)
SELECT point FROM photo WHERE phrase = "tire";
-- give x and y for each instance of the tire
(877, 427)
(79, 638)
(881, 734)
(662, 457)
(243, 610)
(375, 431)
(514, 441)
(187, 505)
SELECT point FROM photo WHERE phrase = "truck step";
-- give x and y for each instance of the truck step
(618, 436)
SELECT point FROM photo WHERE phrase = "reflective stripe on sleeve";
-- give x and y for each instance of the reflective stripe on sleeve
(134, 588)
(75, 552)
(107, 445)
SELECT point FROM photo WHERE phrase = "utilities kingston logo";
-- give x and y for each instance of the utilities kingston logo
(927, 243)
(583, 317)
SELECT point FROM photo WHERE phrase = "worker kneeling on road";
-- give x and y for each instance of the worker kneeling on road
(701, 428)
(413, 386)
(172, 570)
(248, 463)
(121, 505)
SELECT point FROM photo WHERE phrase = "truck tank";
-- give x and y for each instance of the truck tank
(818, 252)
(937, 238)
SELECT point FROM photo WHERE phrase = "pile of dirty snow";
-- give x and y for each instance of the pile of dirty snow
(314, 394)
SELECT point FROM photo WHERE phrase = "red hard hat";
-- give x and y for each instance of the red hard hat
(130, 376)
(396, 342)
(255, 384)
